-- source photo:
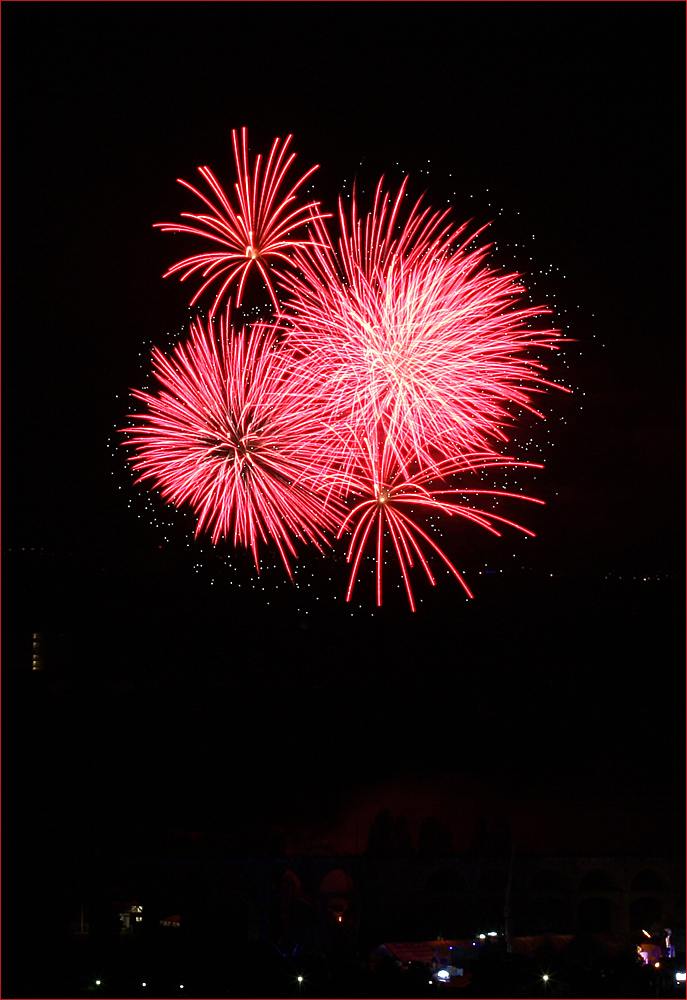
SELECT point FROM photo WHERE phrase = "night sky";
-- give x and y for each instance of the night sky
(177, 687)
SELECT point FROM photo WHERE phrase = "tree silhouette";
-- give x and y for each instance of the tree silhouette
(436, 838)
(389, 837)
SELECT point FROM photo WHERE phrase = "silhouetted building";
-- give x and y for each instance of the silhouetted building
(322, 903)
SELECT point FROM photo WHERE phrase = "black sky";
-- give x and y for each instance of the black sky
(569, 118)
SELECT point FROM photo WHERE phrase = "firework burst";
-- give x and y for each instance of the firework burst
(255, 233)
(388, 495)
(392, 372)
(412, 332)
(236, 434)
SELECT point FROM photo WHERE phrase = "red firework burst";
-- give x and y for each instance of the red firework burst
(404, 359)
(237, 434)
(388, 490)
(412, 333)
(256, 232)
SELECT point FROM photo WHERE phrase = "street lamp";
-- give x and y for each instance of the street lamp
(545, 979)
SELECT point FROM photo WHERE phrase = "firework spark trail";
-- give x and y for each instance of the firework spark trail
(384, 484)
(256, 233)
(413, 332)
(236, 433)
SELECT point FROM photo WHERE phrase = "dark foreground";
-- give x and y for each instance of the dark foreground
(126, 968)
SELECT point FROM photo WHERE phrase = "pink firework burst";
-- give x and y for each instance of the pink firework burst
(389, 494)
(255, 233)
(235, 433)
(409, 331)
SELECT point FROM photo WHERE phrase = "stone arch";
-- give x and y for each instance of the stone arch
(597, 880)
(548, 880)
(645, 911)
(595, 915)
(646, 880)
(337, 882)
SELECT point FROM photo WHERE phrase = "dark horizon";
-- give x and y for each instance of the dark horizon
(151, 654)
